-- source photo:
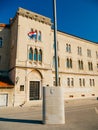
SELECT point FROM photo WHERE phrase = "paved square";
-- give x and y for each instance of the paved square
(79, 115)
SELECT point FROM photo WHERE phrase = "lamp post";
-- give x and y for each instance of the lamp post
(55, 44)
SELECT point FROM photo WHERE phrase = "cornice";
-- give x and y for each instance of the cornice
(34, 16)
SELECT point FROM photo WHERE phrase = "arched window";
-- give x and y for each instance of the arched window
(40, 55)
(79, 64)
(58, 61)
(80, 82)
(67, 63)
(69, 48)
(30, 54)
(0, 41)
(90, 82)
(82, 65)
(39, 35)
(93, 82)
(83, 82)
(70, 63)
(91, 66)
(36, 35)
(35, 55)
(78, 50)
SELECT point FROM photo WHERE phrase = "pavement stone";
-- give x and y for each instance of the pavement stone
(30, 117)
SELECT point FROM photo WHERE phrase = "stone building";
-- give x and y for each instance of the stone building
(27, 61)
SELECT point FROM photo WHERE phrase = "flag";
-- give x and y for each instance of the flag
(32, 34)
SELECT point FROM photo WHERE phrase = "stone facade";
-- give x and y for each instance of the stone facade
(30, 60)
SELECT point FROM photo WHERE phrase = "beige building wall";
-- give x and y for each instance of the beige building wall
(74, 73)
(4, 50)
(13, 48)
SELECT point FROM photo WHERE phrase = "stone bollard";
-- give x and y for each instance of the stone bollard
(53, 105)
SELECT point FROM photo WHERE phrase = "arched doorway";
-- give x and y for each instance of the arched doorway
(35, 82)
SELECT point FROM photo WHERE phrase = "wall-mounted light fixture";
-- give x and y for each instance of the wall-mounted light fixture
(17, 79)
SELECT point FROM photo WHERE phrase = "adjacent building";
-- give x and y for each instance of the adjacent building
(27, 61)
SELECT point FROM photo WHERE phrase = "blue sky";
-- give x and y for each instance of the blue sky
(76, 17)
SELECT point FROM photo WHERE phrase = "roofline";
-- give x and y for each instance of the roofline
(77, 37)
(35, 16)
(4, 25)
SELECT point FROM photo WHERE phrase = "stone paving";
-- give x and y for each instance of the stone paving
(79, 115)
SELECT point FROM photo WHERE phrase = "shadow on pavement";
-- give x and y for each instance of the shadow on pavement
(21, 121)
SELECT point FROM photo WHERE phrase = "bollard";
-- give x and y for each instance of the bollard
(53, 105)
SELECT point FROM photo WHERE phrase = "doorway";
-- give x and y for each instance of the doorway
(34, 90)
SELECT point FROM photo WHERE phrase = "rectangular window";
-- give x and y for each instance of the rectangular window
(79, 51)
(72, 82)
(68, 48)
(90, 66)
(21, 87)
(88, 52)
(97, 66)
(83, 82)
(80, 82)
(39, 35)
(68, 81)
(96, 55)
(92, 82)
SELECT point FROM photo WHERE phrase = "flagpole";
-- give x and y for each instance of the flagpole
(53, 109)
(55, 44)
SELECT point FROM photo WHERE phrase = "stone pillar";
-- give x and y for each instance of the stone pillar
(53, 105)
